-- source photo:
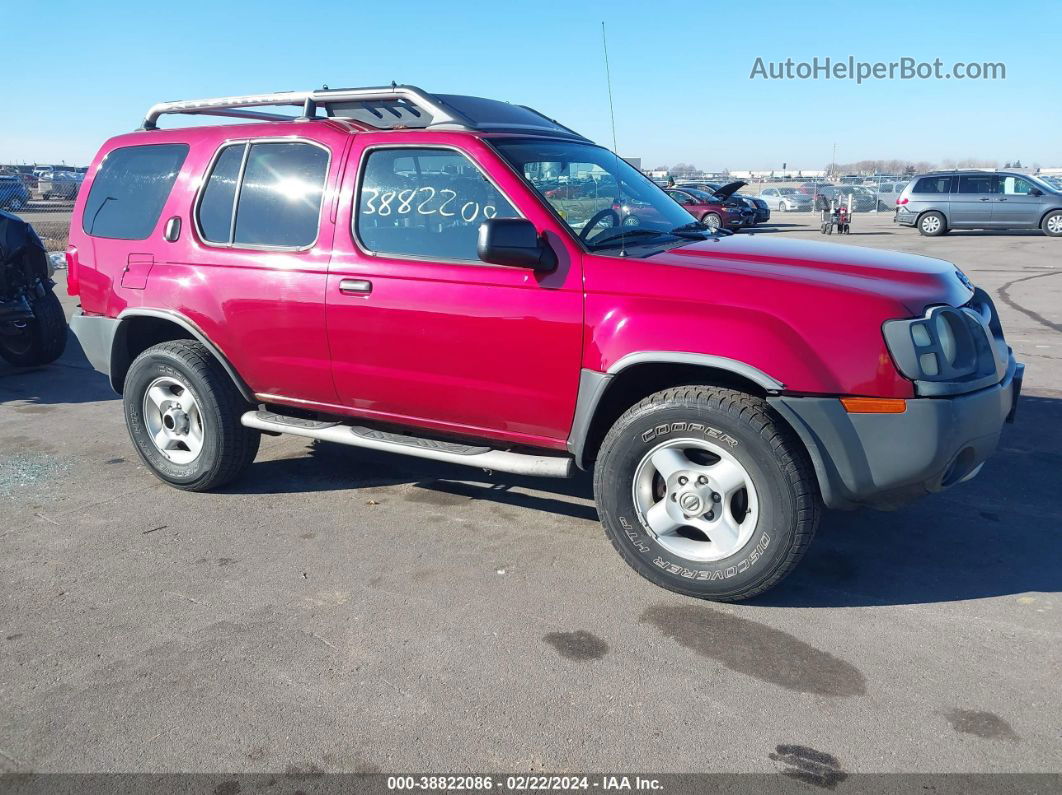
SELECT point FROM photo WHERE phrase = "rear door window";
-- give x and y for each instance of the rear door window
(130, 189)
(425, 203)
(978, 183)
(219, 195)
(276, 190)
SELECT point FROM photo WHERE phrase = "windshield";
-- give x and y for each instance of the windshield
(601, 197)
(787, 191)
(1050, 182)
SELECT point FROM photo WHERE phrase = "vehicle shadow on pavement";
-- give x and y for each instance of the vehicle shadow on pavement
(71, 379)
(332, 467)
(999, 534)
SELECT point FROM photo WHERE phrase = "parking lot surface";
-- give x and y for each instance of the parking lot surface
(341, 609)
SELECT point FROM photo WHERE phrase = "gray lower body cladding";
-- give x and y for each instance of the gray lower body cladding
(95, 334)
(888, 460)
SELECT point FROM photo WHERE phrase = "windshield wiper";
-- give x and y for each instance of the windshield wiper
(633, 231)
(694, 230)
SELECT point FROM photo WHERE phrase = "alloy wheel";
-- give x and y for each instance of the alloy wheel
(173, 420)
(696, 499)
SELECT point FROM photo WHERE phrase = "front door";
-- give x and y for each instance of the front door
(1015, 206)
(424, 333)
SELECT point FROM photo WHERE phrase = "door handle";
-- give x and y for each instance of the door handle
(1002, 200)
(985, 199)
(355, 286)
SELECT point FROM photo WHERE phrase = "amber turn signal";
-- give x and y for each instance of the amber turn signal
(868, 405)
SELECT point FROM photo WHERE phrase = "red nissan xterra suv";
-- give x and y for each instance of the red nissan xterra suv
(469, 281)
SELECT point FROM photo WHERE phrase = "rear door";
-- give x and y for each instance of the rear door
(1015, 206)
(251, 265)
(423, 332)
(972, 200)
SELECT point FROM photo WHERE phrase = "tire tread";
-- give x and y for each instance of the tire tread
(239, 445)
(787, 447)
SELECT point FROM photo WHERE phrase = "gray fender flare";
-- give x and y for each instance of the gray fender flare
(594, 384)
(117, 365)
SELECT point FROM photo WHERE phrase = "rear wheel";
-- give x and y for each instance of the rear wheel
(183, 415)
(712, 221)
(39, 341)
(1052, 224)
(704, 491)
(932, 224)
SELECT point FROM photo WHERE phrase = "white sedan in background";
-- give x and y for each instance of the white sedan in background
(786, 199)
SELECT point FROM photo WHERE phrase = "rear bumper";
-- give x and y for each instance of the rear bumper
(888, 460)
(95, 334)
(904, 217)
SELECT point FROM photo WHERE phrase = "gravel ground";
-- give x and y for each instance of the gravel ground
(343, 610)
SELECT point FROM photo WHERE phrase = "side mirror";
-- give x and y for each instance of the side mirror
(1036, 192)
(514, 242)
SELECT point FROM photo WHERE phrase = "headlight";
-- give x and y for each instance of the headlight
(949, 345)
(947, 351)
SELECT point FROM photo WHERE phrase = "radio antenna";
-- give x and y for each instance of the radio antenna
(608, 79)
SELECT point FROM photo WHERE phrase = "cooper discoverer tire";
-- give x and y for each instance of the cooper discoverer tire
(183, 411)
(42, 341)
(705, 491)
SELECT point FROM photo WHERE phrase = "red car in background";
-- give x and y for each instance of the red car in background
(710, 210)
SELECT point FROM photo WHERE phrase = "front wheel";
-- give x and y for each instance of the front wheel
(183, 415)
(39, 341)
(712, 221)
(706, 492)
(1052, 224)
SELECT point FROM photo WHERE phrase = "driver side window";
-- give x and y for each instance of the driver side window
(425, 203)
(1016, 186)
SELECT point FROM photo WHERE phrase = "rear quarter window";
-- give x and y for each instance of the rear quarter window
(130, 189)
(933, 185)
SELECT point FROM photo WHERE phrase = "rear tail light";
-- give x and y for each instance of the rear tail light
(901, 201)
(73, 286)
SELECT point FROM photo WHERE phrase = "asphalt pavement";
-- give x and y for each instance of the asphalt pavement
(344, 610)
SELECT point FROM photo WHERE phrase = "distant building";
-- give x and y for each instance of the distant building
(634, 161)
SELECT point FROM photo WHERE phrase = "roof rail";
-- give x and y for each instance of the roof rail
(397, 102)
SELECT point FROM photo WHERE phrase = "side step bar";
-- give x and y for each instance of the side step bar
(550, 466)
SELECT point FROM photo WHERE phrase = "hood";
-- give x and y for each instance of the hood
(726, 191)
(913, 280)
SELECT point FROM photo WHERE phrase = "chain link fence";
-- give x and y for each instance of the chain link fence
(44, 196)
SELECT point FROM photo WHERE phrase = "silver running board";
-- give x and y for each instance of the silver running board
(550, 466)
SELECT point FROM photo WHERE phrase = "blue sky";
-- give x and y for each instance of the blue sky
(680, 71)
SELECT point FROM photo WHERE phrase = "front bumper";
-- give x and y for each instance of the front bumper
(888, 460)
